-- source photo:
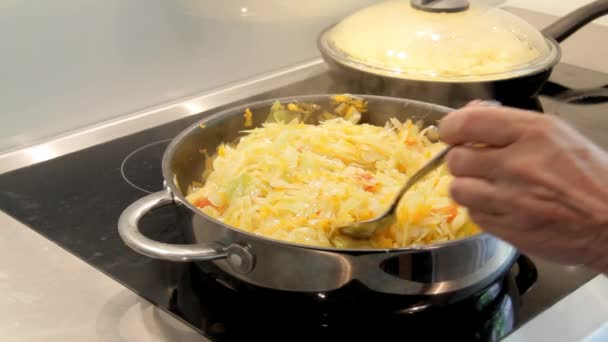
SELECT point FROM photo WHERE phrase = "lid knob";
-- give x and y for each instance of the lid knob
(450, 6)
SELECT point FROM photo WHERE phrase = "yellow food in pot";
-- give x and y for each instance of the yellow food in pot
(299, 182)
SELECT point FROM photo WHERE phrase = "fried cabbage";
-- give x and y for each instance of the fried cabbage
(298, 182)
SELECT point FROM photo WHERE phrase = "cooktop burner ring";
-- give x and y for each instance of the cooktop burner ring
(142, 158)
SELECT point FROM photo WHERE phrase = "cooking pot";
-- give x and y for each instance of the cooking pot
(448, 270)
(447, 52)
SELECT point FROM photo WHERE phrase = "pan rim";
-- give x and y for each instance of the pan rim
(238, 110)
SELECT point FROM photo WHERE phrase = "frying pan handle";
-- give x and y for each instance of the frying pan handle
(564, 27)
(130, 234)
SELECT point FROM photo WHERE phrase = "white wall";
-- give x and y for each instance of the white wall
(554, 7)
(68, 64)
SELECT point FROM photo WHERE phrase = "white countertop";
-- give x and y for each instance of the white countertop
(580, 316)
(50, 294)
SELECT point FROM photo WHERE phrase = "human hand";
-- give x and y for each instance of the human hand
(537, 183)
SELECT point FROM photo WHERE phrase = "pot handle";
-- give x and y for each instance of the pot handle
(527, 275)
(564, 27)
(129, 232)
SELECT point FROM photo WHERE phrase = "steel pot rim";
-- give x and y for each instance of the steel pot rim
(171, 186)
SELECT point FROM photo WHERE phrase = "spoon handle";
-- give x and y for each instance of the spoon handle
(423, 171)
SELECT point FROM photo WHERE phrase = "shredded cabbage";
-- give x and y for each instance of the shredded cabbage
(299, 182)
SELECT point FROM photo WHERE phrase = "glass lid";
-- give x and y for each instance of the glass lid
(472, 40)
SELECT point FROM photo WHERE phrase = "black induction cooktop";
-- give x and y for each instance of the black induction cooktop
(75, 201)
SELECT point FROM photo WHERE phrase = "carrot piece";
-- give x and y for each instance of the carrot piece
(452, 212)
(202, 202)
(371, 187)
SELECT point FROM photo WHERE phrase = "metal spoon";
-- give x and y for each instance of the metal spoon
(365, 229)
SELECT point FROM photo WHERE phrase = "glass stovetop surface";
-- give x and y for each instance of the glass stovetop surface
(75, 200)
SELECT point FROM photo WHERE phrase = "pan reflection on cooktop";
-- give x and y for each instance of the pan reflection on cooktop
(225, 310)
